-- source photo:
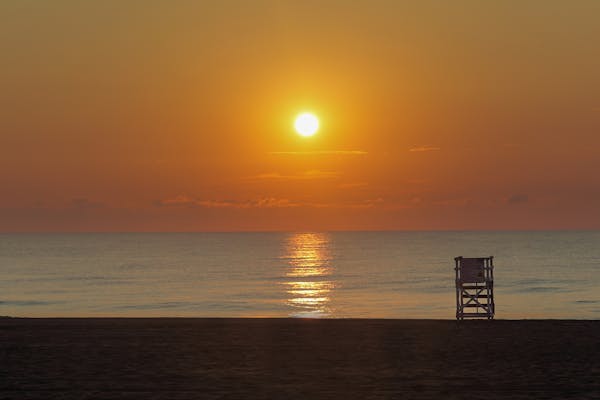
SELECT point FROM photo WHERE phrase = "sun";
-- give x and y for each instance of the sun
(306, 124)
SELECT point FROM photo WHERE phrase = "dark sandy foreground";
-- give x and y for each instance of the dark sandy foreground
(297, 359)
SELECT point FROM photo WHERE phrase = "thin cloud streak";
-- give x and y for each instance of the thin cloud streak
(424, 148)
(187, 201)
(306, 175)
(352, 185)
(264, 202)
(518, 198)
(320, 152)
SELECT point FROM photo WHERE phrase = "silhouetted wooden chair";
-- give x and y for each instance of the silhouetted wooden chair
(474, 287)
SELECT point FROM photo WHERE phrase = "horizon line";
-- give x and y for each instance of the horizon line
(303, 231)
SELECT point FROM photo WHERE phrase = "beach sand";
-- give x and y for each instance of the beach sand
(298, 359)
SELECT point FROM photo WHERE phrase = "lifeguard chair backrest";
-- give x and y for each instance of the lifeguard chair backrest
(472, 270)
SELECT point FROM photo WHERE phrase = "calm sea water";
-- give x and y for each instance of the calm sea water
(334, 275)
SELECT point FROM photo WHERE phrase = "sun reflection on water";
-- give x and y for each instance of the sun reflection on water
(308, 285)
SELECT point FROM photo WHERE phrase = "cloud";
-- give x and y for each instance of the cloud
(416, 200)
(424, 148)
(272, 202)
(187, 201)
(517, 199)
(321, 152)
(460, 202)
(306, 175)
(352, 185)
(316, 174)
(368, 203)
(180, 200)
(263, 202)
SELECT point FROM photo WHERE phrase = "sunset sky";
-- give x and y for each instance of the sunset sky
(179, 115)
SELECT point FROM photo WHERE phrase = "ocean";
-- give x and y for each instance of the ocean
(538, 275)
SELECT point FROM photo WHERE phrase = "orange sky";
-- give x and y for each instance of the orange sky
(178, 116)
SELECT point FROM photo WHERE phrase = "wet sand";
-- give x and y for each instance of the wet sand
(298, 359)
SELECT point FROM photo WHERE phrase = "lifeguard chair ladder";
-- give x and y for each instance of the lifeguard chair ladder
(474, 287)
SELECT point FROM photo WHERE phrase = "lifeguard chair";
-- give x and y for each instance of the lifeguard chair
(474, 287)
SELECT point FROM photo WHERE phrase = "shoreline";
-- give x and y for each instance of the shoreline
(4, 318)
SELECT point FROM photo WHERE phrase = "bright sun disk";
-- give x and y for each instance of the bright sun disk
(306, 124)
